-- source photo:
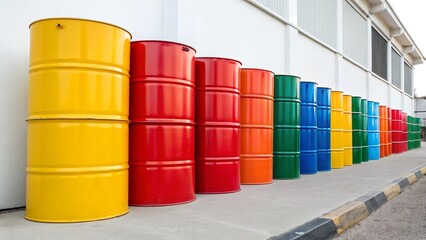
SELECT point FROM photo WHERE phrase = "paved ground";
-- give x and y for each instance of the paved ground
(404, 217)
(257, 212)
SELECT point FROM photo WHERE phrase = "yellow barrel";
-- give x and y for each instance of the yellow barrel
(336, 125)
(77, 150)
(347, 130)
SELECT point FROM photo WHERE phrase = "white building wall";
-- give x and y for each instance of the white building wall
(378, 91)
(395, 99)
(408, 105)
(354, 80)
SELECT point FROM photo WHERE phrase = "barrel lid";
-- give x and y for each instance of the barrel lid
(356, 96)
(287, 75)
(259, 69)
(309, 82)
(337, 91)
(219, 58)
(79, 19)
(324, 88)
(161, 41)
(347, 95)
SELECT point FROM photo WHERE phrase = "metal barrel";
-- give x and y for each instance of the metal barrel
(77, 164)
(389, 131)
(418, 135)
(217, 125)
(397, 144)
(347, 130)
(308, 128)
(373, 130)
(162, 113)
(364, 130)
(357, 131)
(404, 132)
(410, 132)
(383, 131)
(336, 126)
(323, 130)
(286, 164)
(257, 106)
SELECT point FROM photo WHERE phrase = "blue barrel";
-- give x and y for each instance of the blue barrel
(323, 130)
(308, 128)
(373, 130)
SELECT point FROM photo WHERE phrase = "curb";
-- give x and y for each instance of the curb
(342, 218)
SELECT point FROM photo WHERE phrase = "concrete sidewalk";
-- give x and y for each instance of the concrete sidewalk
(257, 212)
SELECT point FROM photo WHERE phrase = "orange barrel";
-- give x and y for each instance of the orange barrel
(257, 106)
(336, 125)
(162, 132)
(389, 130)
(217, 125)
(383, 131)
(77, 164)
(347, 130)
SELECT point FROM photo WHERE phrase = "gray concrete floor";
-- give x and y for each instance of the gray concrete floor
(257, 212)
(404, 217)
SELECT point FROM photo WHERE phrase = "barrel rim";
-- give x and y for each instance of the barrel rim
(287, 75)
(219, 58)
(347, 95)
(357, 97)
(79, 19)
(260, 69)
(338, 91)
(324, 88)
(162, 41)
(309, 82)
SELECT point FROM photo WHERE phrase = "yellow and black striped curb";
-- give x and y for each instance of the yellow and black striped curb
(342, 218)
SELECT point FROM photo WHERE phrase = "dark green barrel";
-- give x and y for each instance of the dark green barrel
(364, 116)
(410, 132)
(357, 132)
(286, 127)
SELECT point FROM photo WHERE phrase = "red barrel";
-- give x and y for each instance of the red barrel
(161, 133)
(217, 131)
(389, 144)
(404, 132)
(397, 144)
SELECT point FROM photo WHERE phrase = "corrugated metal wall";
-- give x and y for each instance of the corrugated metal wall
(355, 38)
(277, 6)
(319, 18)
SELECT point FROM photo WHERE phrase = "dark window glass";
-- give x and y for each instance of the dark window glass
(379, 52)
(396, 69)
(408, 79)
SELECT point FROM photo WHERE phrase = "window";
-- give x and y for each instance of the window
(318, 18)
(354, 34)
(396, 69)
(379, 54)
(277, 6)
(408, 79)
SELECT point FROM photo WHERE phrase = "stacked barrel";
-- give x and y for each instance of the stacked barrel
(364, 130)
(373, 131)
(217, 125)
(397, 144)
(286, 164)
(404, 132)
(389, 122)
(257, 105)
(383, 131)
(418, 130)
(347, 130)
(336, 123)
(323, 130)
(357, 132)
(308, 128)
(410, 132)
(77, 165)
(162, 114)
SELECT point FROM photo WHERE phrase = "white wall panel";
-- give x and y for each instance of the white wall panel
(251, 36)
(378, 91)
(315, 62)
(354, 80)
(277, 6)
(408, 105)
(142, 18)
(395, 99)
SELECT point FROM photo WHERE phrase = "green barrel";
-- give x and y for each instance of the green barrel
(357, 132)
(410, 132)
(286, 127)
(364, 121)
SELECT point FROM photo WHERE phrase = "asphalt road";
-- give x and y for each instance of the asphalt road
(404, 217)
